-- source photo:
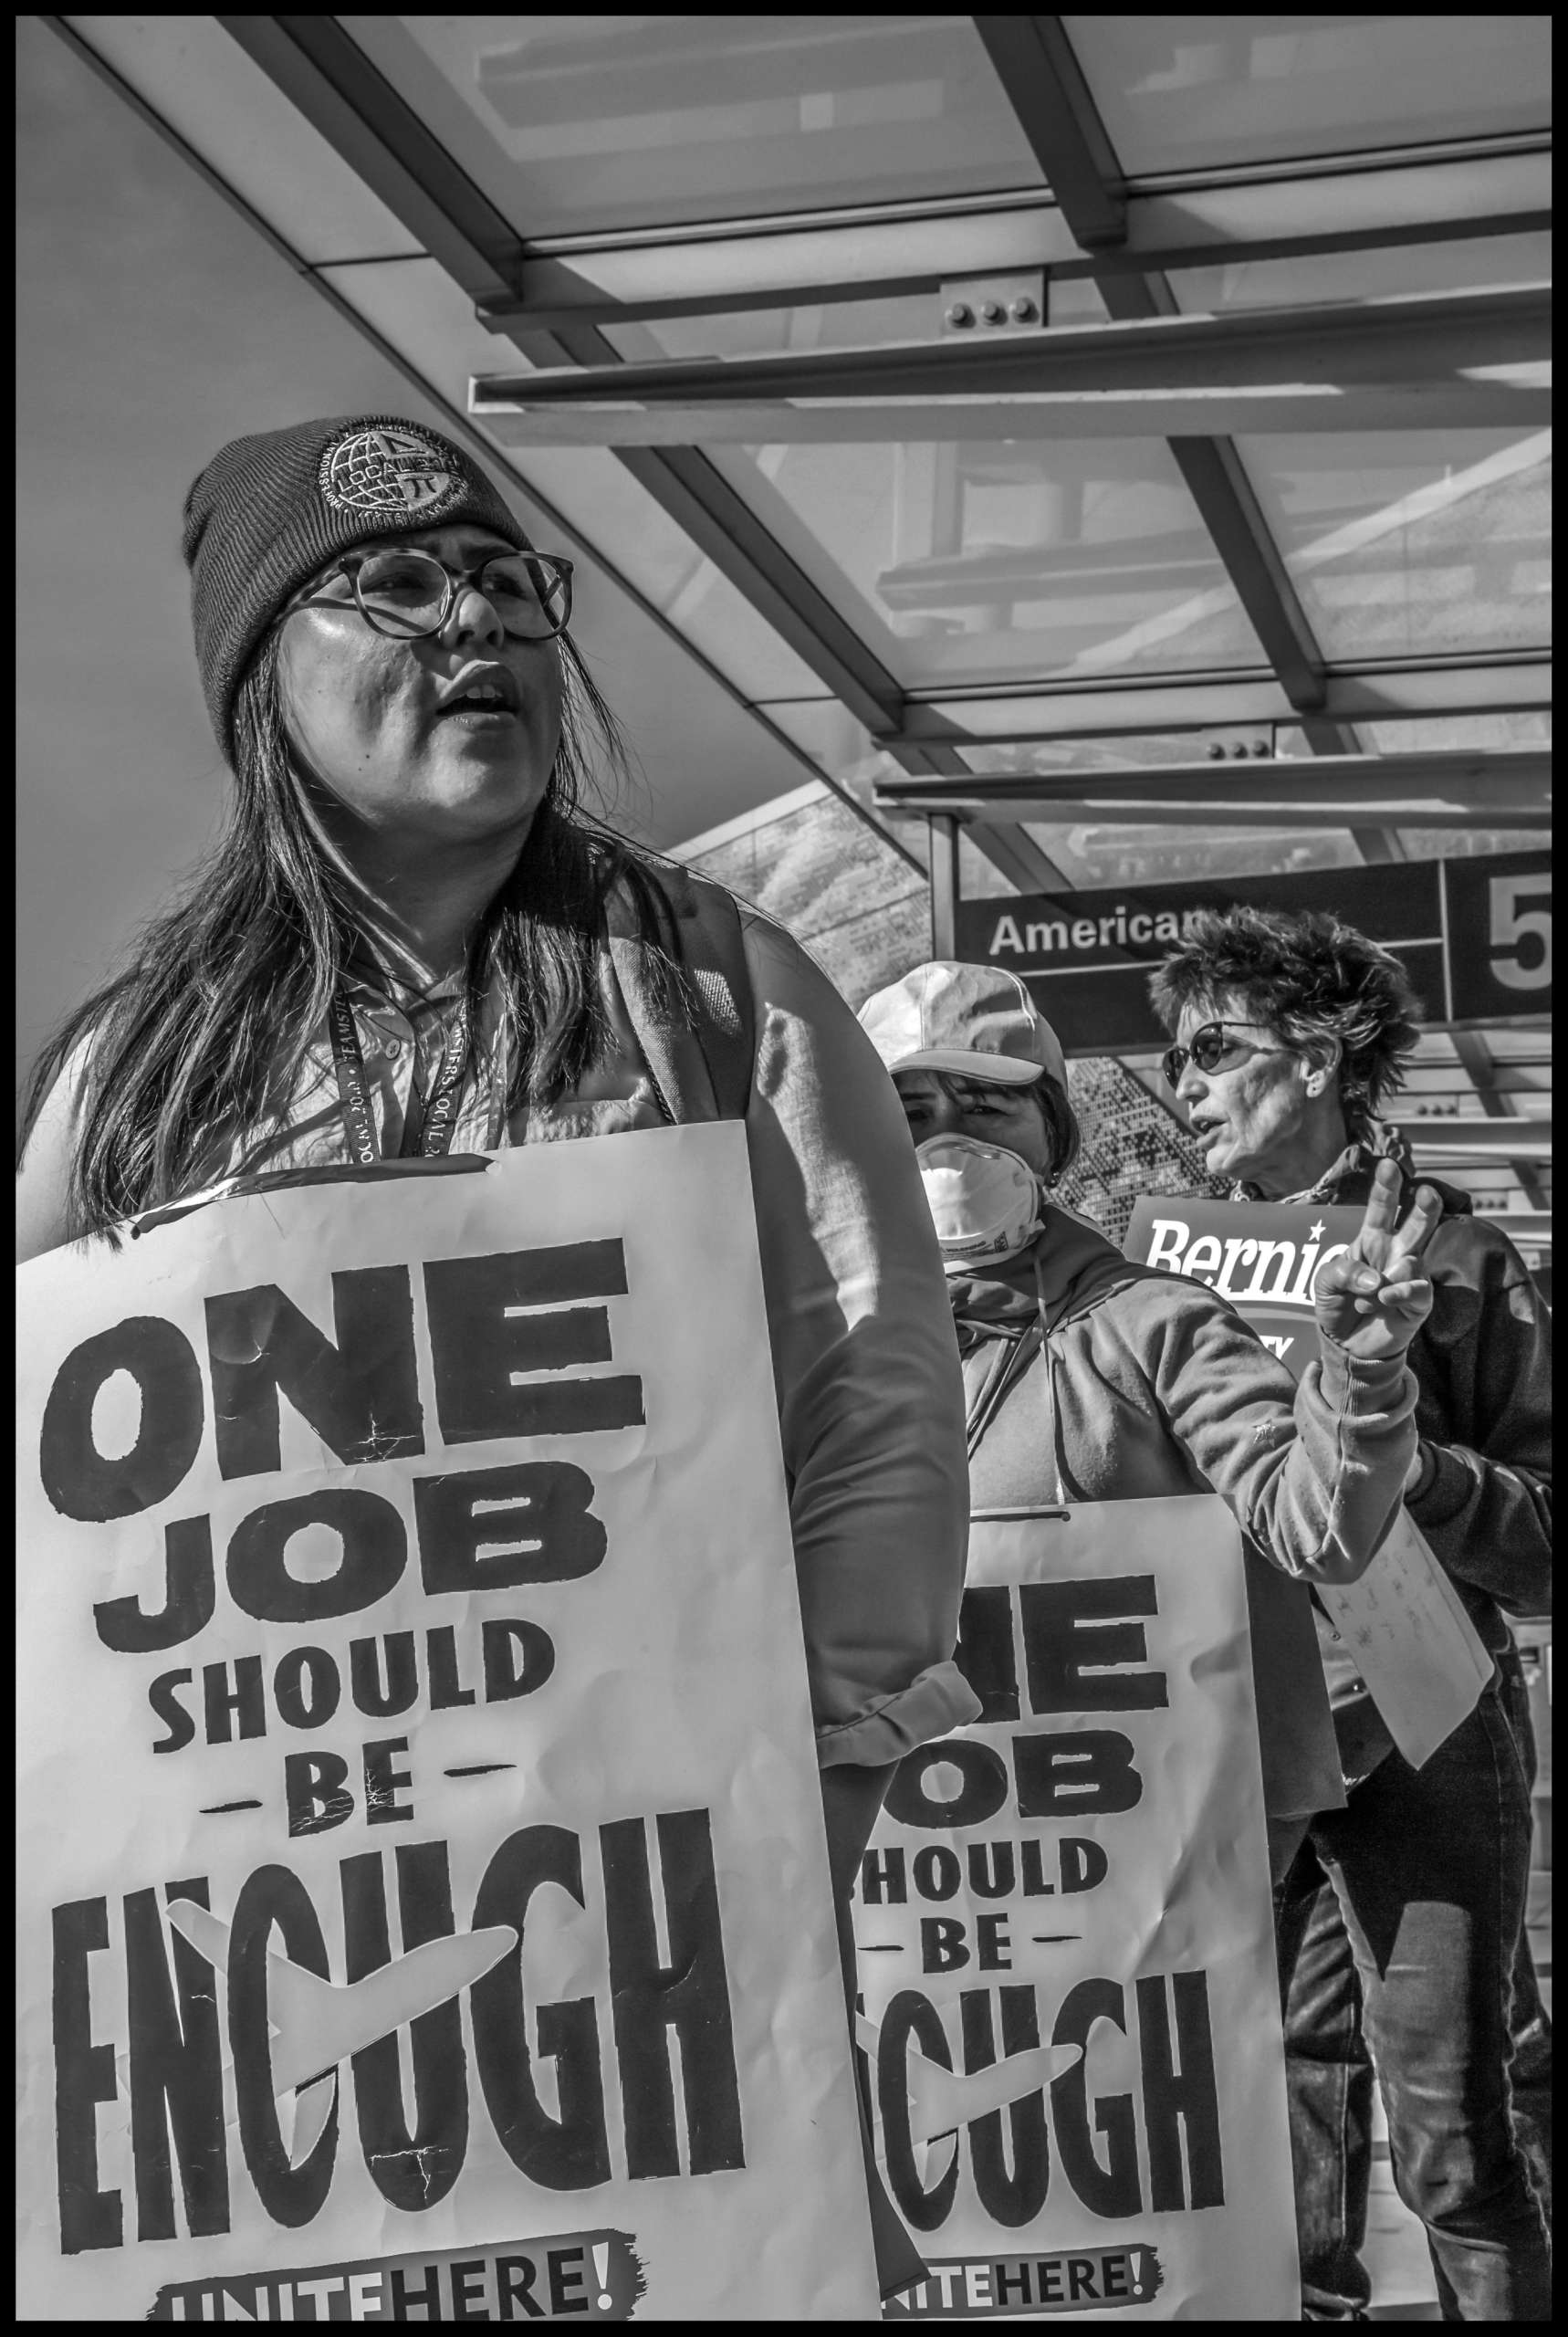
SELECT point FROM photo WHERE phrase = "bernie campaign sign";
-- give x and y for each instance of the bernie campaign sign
(1263, 1256)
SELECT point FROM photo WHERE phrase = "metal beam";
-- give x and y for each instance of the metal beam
(1484, 1140)
(1212, 470)
(1411, 338)
(1507, 787)
(1228, 807)
(897, 251)
(1498, 1103)
(1009, 846)
(1379, 846)
(1217, 479)
(1034, 62)
(1515, 770)
(333, 84)
(943, 831)
(780, 266)
(724, 527)
(1057, 712)
(727, 532)
(875, 417)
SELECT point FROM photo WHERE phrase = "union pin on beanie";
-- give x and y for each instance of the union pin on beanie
(269, 510)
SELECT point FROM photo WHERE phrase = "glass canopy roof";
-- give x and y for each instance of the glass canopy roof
(1184, 93)
(987, 397)
(1415, 542)
(577, 124)
(988, 562)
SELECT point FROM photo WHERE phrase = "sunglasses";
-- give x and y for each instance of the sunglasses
(1205, 1051)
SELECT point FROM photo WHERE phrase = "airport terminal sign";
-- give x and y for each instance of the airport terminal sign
(424, 1909)
(1474, 935)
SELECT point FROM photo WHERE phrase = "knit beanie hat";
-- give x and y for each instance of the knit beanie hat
(268, 511)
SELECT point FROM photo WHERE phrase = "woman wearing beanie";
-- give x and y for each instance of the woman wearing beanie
(413, 939)
(1092, 1378)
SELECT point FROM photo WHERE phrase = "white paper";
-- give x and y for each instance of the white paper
(1071, 2002)
(1413, 1642)
(606, 1752)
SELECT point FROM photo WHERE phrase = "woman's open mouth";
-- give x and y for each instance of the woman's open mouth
(482, 695)
(476, 714)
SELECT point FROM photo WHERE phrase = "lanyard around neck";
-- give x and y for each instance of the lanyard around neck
(427, 1134)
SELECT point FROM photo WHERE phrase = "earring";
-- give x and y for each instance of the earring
(1315, 1084)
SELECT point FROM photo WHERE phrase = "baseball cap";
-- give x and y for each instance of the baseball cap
(977, 1020)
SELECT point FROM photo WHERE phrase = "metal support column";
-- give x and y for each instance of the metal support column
(943, 831)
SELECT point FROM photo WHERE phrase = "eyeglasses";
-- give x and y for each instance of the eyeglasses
(408, 595)
(1205, 1051)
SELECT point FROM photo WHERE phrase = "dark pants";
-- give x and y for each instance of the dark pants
(1423, 1879)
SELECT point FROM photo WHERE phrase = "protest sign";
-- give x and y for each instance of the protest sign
(1065, 1941)
(424, 1907)
(1404, 1623)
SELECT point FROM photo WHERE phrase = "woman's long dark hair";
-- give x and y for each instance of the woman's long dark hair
(203, 1028)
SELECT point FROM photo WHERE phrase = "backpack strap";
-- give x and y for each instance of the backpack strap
(701, 1057)
(713, 948)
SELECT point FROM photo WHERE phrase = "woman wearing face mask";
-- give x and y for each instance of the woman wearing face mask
(1290, 1031)
(411, 940)
(1091, 1378)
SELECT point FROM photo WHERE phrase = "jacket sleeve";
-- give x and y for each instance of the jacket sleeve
(1485, 1417)
(866, 1361)
(1313, 1473)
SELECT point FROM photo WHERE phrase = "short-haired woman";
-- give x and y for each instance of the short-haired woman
(1290, 1031)
(411, 939)
(1151, 1385)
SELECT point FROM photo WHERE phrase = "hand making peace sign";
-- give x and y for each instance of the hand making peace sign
(1374, 1296)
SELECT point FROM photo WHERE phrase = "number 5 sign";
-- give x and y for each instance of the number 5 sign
(1499, 916)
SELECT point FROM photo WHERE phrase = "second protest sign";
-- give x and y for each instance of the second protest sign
(1066, 1947)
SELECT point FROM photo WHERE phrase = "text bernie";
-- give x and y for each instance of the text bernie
(1240, 1266)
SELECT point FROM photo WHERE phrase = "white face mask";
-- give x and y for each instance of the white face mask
(986, 1202)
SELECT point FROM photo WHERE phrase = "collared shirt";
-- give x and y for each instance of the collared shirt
(403, 1033)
